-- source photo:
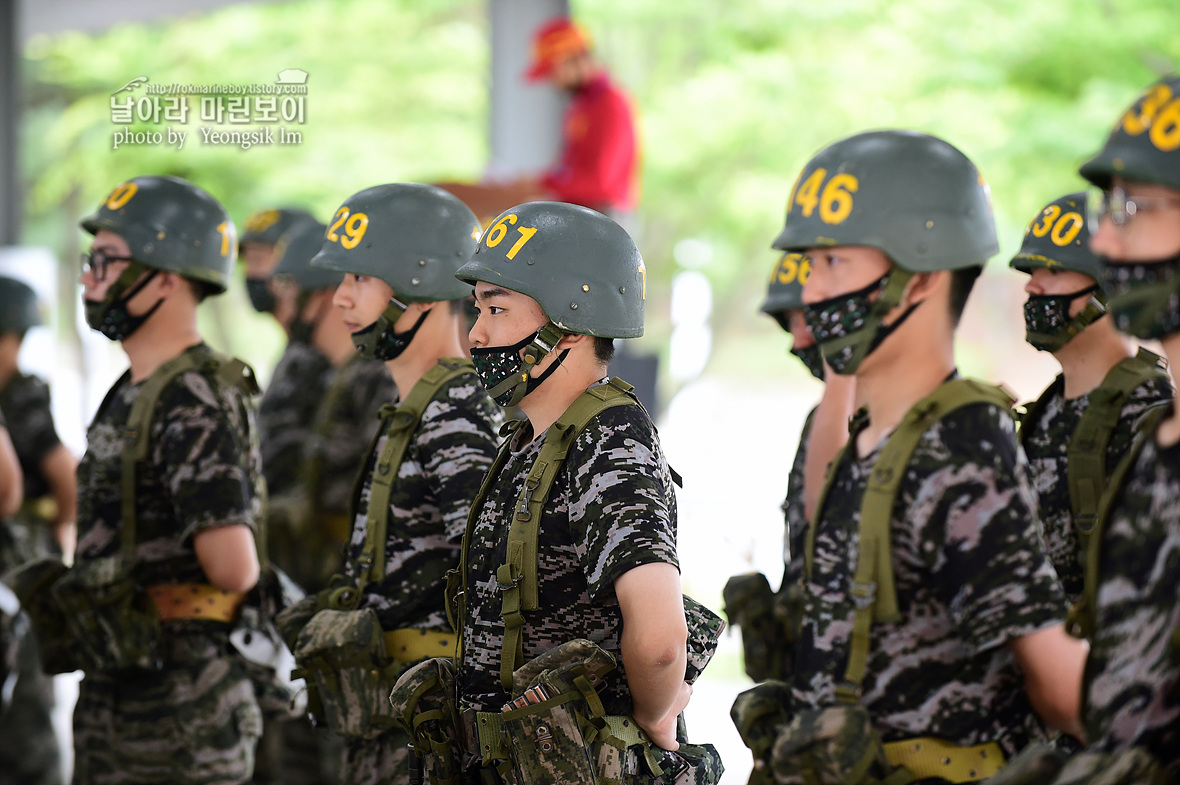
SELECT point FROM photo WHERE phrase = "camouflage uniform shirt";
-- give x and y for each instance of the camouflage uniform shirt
(1046, 442)
(287, 411)
(1132, 694)
(794, 511)
(970, 572)
(611, 509)
(25, 402)
(439, 477)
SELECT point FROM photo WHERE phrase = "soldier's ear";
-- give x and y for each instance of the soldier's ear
(570, 340)
(922, 285)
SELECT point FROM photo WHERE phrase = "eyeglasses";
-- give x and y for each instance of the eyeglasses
(1121, 208)
(95, 262)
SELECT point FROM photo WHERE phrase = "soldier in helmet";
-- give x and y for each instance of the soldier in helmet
(44, 526)
(169, 497)
(767, 623)
(1132, 692)
(928, 597)
(1075, 433)
(555, 284)
(257, 247)
(398, 247)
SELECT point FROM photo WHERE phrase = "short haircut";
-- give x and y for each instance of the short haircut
(962, 281)
(604, 350)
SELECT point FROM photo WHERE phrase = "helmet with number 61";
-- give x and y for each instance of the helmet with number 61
(172, 225)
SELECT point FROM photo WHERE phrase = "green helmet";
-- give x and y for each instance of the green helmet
(581, 267)
(18, 306)
(412, 236)
(1143, 144)
(915, 197)
(172, 225)
(785, 290)
(267, 226)
(1058, 237)
(294, 252)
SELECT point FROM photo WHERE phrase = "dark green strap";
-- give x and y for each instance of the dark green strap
(311, 473)
(137, 430)
(517, 577)
(1084, 614)
(1086, 455)
(398, 423)
(872, 587)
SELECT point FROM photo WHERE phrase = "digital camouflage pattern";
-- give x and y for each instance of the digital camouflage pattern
(308, 525)
(444, 464)
(971, 574)
(1046, 442)
(794, 514)
(31, 752)
(197, 719)
(1132, 693)
(611, 509)
(287, 411)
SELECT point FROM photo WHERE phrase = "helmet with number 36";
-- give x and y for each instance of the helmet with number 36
(913, 196)
(581, 267)
(412, 236)
(1143, 144)
(172, 225)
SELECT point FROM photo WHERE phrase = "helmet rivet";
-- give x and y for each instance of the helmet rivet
(159, 235)
(622, 290)
(573, 306)
(585, 287)
(421, 262)
(930, 224)
(530, 261)
(415, 281)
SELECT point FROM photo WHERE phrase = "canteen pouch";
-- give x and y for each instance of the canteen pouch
(111, 624)
(423, 705)
(31, 583)
(749, 606)
(342, 656)
(546, 744)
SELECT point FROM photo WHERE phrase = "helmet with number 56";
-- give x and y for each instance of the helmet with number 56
(913, 196)
(172, 225)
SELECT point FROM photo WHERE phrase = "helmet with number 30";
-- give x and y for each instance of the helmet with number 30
(170, 224)
(1143, 144)
(913, 196)
(581, 267)
(1059, 238)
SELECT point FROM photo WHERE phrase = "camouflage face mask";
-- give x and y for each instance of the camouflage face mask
(1047, 323)
(379, 339)
(504, 370)
(109, 316)
(812, 357)
(848, 327)
(1144, 297)
(261, 297)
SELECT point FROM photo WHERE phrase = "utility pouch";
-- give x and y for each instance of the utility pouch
(704, 631)
(111, 624)
(291, 620)
(423, 704)
(832, 746)
(545, 742)
(31, 583)
(342, 656)
(749, 605)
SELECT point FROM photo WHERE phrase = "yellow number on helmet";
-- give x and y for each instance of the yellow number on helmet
(121, 195)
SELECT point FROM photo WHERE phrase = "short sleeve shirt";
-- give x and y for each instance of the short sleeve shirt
(970, 572)
(1132, 694)
(1046, 443)
(25, 403)
(203, 472)
(438, 479)
(611, 509)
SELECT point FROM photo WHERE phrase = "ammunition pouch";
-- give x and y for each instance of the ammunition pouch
(31, 583)
(111, 625)
(342, 656)
(767, 644)
(423, 703)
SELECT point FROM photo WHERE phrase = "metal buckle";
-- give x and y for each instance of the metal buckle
(864, 595)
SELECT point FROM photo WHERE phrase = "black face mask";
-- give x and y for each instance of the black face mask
(1144, 297)
(261, 297)
(1047, 323)
(380, 340)
(812, 357)
(109, 316)
(848, 327)
(504, 371)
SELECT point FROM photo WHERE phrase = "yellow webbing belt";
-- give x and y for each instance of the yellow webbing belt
(930, 757)
(410, 645)
(175, 601)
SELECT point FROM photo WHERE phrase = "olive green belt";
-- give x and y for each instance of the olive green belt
(930, 757)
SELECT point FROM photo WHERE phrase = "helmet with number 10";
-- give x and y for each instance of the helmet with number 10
(913, 196)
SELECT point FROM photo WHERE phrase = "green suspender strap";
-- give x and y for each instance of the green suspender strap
(137, 431)
(313, 467)
(1086, 456)
(1083, 619)
(398, 423)
(872, 587)
(517, 577)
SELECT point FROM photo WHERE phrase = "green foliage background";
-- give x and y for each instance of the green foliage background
(734, 98)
